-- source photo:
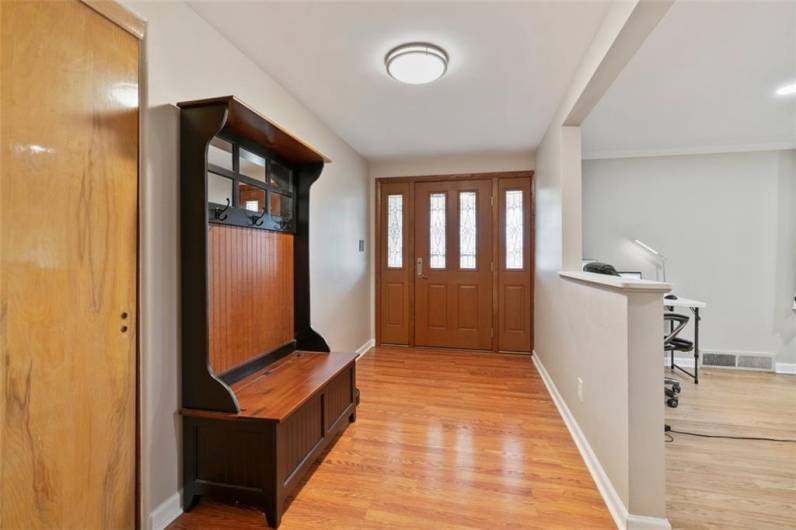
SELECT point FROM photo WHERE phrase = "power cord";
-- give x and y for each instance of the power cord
(728, 437)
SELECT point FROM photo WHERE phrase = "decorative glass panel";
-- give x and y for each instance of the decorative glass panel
(436, 231)
(514, 229)
(251, 165)
(219, 153)
(281, 206)
(395, 231)
(280, 176)
(219, 189)
(251, 198)
(467, 230)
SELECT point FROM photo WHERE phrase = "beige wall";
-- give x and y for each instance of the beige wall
(452, 164)
(187, 59)
(609, 339)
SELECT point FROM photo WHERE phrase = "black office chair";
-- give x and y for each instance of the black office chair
(674, 324)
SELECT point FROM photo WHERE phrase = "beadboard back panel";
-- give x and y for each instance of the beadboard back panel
(250, 276)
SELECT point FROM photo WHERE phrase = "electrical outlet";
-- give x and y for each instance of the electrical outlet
(580, 389)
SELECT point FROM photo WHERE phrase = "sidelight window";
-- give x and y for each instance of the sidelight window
(395, 231)
(467, 230)
(514, 230)
(436, 229)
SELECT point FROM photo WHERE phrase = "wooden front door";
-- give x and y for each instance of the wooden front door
(453, 264)
(68, 255)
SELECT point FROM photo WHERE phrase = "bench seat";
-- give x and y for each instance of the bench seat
(290, 411)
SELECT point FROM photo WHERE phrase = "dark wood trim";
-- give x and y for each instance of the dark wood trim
(201, 388)
(495, 203)
(246, 122)
(306, 337)
(377, 261)
(236, 374)
(459, 176)
(494, 176)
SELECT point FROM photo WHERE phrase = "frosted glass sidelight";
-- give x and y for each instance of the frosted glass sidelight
(436, 231)
(514, 229)
(467, 230)
(395, 231)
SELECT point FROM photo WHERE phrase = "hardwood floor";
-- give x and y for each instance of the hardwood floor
(718, 483)
(443, 439)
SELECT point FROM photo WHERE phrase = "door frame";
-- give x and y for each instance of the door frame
(495, 177)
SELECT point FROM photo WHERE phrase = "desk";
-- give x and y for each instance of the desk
(694, 306)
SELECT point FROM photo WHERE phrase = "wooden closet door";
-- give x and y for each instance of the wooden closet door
(453, 289)
(69, 177)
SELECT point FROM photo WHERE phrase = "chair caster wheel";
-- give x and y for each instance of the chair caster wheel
(672, 402)
(676, 388)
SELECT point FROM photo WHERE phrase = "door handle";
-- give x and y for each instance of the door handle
(419, 267)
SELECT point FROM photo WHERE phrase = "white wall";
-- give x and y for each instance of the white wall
(725, 222)
(187, 59)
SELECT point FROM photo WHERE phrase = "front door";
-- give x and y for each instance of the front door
(453, 264)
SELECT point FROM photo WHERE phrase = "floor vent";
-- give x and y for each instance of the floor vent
(718, 359)
(737, 360)
(756, 362)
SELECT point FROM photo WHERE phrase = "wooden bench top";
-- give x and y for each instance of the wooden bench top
(274, 392)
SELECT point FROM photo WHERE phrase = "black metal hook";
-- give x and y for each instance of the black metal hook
(257, 220)
(219, 212)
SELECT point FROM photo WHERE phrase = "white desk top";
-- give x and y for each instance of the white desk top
(684, 302)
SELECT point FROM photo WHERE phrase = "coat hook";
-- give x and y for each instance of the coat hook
(220, 215)
(257, 220)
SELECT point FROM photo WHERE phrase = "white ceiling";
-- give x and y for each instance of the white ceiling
(510, 63)
(703, 81)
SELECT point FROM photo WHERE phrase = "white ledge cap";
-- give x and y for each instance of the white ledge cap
(616, 282)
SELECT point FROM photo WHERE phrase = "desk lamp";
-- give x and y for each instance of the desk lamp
(654, 253)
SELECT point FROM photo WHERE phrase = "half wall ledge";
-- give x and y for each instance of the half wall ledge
(616, 282)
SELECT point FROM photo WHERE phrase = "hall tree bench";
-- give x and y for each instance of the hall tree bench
(262, 396)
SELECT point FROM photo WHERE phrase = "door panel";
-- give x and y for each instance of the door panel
(515, 282)
(394, 262)
(453, 251)
(68, 216)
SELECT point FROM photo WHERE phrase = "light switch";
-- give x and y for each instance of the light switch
(362, 245)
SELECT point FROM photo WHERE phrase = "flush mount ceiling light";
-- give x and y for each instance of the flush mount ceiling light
(416, 63)
(787, 90)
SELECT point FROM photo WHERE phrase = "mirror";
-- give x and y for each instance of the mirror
(219, 189)
(280, 176)
(281, 206)
(251, 165)
(251, 197)
(219, 153)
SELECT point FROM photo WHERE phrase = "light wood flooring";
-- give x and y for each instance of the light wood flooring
(728, 484)
(443, 439)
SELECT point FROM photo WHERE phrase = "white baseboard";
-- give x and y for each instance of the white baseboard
(786, 368)
(165, 513)
(622, 518)
(681, 361)
(362, 350)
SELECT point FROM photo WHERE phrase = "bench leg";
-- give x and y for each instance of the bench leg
(273, 512)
